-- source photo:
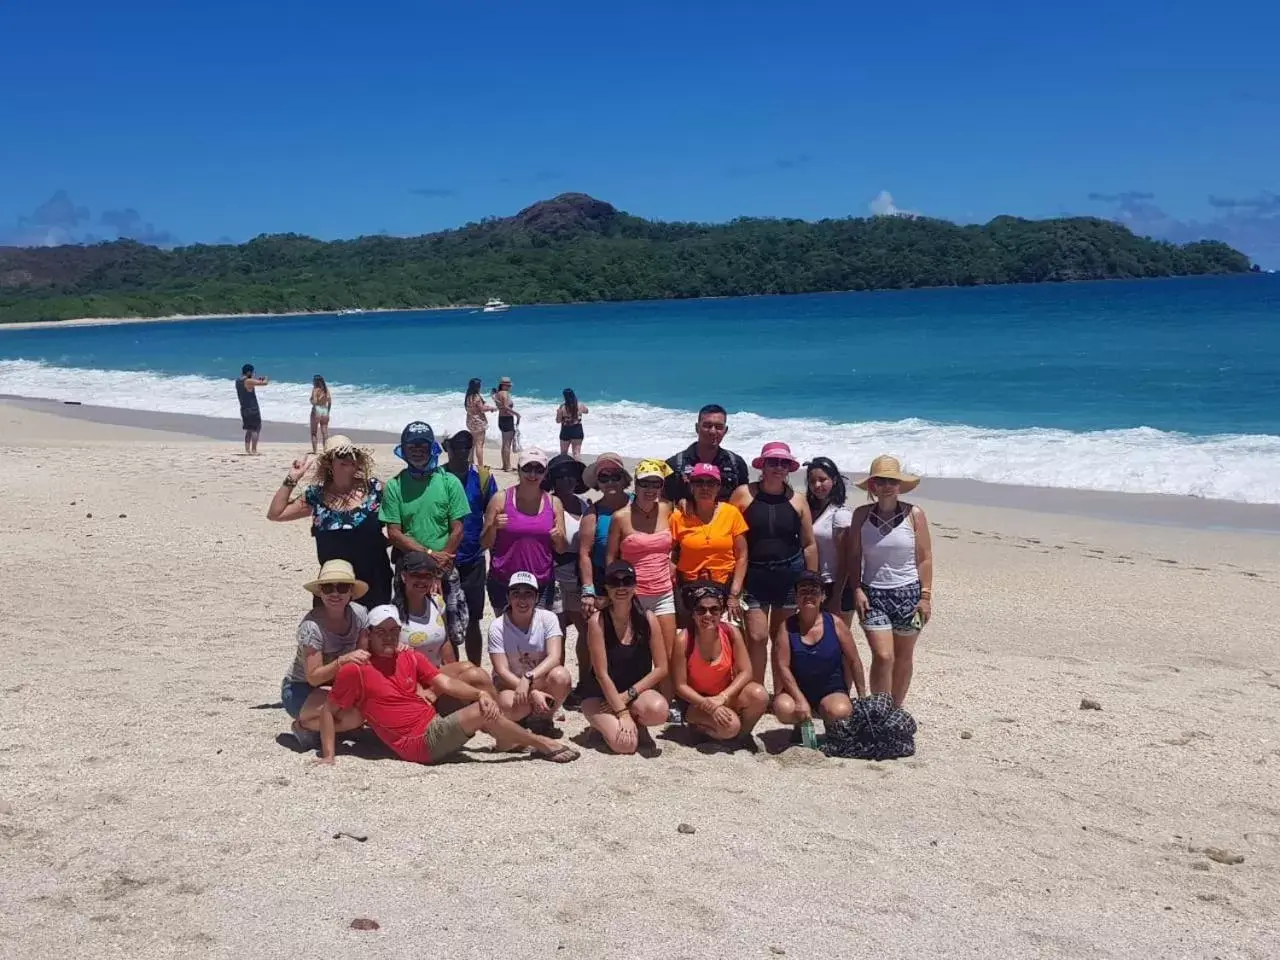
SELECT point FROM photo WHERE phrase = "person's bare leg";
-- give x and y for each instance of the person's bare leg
(576, 449)
(505, 731)
(564, 446)
(477, 448)
(315, 434)
(650, 709)
(784, 708)
(904, 657)
(882, 660)
(757, 623)
(667, 622)
(248, 446)
(702, 720)
(606, 724)
(256, 434)
(324, 431)
(835, 706)
(752, 703)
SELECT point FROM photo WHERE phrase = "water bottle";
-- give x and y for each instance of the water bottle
(808, 735)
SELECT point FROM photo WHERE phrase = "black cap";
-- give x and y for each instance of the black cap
(415, 561)
(459, 440)
(808, 576)
(562, 465)
(417, 434)
(619, 568)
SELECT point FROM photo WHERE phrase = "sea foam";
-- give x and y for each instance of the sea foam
(1142, 460)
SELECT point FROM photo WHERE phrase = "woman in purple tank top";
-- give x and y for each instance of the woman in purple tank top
(523, 530)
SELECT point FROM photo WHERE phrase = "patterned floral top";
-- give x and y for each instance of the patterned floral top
(326, 518)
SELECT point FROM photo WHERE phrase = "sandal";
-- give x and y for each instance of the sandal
(561, 754)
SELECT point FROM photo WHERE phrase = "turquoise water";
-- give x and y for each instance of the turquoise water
(1160, 386)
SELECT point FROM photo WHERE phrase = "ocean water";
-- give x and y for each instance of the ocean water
(1166, 386)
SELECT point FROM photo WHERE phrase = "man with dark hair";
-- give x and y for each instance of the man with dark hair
(250, 414)
(480, 487)
(712, 426)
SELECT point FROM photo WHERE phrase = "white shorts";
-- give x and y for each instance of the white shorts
(662, 605)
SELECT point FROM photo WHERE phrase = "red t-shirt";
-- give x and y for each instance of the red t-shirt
(386, 692)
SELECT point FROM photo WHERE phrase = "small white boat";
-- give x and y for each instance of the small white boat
(494, 305)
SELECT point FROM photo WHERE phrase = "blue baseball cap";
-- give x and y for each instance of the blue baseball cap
(418, 434)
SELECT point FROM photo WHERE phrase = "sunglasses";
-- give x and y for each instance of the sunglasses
(533, 469)
(609, 477)
(776, 462)
(648, 484)
(704, 482)
(894, 481)
(335, 588)
(703, 610)
(621, 582)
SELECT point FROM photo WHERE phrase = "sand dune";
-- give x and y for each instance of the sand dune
(147, 808)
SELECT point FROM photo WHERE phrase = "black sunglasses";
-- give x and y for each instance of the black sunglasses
(533, 469)
(335, 588)
(608, 477)
(703, 610)
(625, 581)
(777, 462)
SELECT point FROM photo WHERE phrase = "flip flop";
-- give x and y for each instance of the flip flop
(561, 754)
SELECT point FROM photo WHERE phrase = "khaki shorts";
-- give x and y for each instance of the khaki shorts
(445, 736)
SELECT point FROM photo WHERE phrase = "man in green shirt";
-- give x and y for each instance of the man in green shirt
(423, 508)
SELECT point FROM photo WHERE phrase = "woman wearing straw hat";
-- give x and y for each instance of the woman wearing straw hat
(780, 545)
(328, 636)
(890, 558)
(342, 497)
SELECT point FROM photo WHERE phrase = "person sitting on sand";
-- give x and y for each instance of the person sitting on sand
(342, 497)
(523, 530)
(816, 662)
(628, 663)
(712, 426)
(328, 637)
(321, 404)
(384, 690)
(526, 648)
(250, 413)
(569, 415)
(477, 418)
(709, 537)
(423, 508)
(480, 487)
(831, 521)
(508, 420)
(890, 557)
(779, 545)
(712, 671)
(422, 612)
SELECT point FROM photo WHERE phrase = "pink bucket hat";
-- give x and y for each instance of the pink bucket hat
(776, 451)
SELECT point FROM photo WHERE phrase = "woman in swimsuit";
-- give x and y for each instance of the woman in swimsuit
(508, 420)
(816, 662)
(569, 415)
(422, 613)
(891, 556)
(780, 545)
(831, 520)
(321, 403)
(712, 671)
(477, 423)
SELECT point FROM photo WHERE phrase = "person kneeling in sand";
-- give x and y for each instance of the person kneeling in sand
(712, 670)
(526, 648)
(385, 692)
(422, 613)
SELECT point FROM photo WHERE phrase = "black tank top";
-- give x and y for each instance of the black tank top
(248, 399)
(773, 528)
(629, 663)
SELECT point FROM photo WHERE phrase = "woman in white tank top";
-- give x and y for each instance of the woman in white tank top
(890, 559)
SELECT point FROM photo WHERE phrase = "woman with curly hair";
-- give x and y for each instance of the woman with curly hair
(342, 497)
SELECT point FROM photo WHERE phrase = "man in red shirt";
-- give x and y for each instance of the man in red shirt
(385, 690)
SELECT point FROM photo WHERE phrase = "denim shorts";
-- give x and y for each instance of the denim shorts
(772, 585)
(293, 694)
(892, 608)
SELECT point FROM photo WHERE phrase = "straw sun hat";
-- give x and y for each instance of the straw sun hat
(890, 469)
(318, 469)
(337, 571)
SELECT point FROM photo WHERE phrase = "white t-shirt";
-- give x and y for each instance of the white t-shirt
(825, 526)
(524, 650)
(427, 633)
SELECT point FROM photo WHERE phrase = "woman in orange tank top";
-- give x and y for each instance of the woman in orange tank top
(712, 671)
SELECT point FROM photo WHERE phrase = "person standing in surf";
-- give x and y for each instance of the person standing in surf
(477, 419)
(712, 426)
(891, 556)
(508, 420)
(250, 413)
(569, 415)
(321, 403)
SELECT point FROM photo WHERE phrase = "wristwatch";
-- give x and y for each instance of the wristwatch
(529, 676)
(632, 693)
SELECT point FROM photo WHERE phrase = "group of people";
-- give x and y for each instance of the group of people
(681, 580)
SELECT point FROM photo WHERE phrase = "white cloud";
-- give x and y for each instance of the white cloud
(883, 206)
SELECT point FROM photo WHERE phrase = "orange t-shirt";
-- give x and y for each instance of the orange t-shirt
(706, 549)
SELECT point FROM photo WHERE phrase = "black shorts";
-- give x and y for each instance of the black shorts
(571, 431)
(251, 422)
(506, 424)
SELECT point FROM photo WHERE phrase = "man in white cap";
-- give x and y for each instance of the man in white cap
(385, 691)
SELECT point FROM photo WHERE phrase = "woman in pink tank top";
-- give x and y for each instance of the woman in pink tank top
(641, 535)
(522, 531)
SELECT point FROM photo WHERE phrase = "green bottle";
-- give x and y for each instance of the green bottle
(808, 735)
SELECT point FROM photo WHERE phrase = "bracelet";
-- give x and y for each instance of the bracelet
(589, 590)
(926, 593)
(289, 482)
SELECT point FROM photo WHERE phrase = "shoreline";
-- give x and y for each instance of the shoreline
(185, 317)
(1165, 510)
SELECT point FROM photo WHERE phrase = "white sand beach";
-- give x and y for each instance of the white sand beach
(148, 808)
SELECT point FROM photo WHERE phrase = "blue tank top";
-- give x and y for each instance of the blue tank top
(818, 669)
(601, 541)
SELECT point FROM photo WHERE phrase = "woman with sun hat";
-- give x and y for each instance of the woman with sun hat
(889, 558)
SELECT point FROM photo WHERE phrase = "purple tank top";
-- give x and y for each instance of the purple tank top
(524, 543)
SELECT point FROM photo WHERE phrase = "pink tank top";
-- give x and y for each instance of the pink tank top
(525, 542)
(650, 554)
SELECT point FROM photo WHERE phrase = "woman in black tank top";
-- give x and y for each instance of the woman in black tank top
(628, 663)
(780, 544)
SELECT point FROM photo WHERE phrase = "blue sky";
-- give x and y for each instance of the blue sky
(196, 122)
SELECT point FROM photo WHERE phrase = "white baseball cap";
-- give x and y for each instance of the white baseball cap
(523, 579)
(381, 614)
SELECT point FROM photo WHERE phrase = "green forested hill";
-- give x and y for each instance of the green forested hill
(575, 248)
